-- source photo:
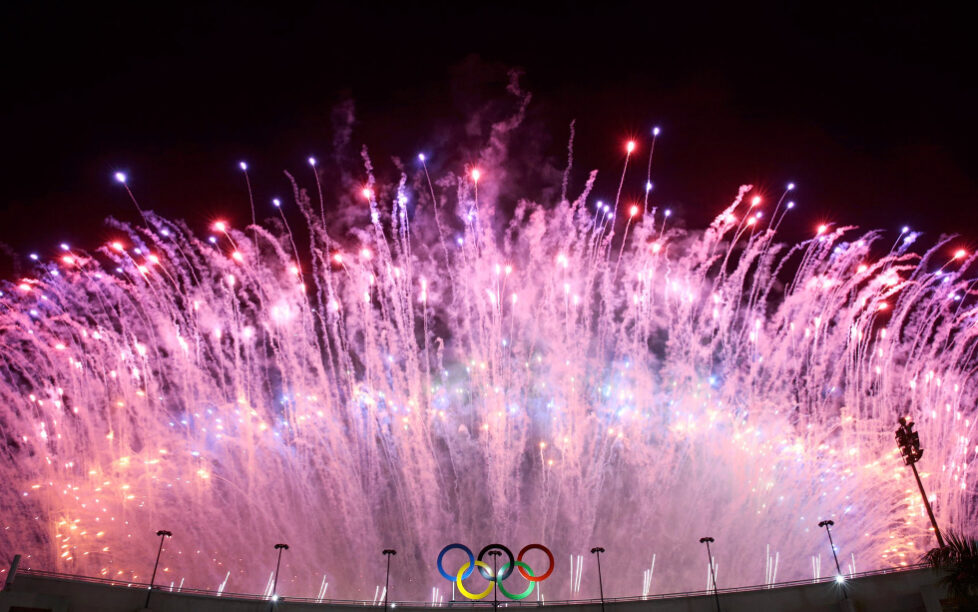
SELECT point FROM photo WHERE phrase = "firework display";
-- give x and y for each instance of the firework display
(572, 372)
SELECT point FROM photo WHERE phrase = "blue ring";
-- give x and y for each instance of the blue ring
(463, 547)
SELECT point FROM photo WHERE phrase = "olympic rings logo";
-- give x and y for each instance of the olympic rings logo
(502, 573)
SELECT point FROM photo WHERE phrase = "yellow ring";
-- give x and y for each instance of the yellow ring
(461, 588)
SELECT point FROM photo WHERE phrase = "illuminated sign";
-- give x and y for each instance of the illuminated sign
(502, 573)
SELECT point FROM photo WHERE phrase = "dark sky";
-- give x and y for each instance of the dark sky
(870, 112)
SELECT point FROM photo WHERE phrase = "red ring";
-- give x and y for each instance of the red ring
(542, 548)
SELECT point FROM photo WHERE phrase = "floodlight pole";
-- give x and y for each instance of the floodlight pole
(389, 552)
(597, 550)
(164, 534)
(279, 548)
(828, 524)
(838, 570)
(909, 442)
(495, 578)
(713, 572)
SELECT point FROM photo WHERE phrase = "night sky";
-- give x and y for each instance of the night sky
(870, 113)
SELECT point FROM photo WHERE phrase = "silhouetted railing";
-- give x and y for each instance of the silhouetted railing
(458, 603)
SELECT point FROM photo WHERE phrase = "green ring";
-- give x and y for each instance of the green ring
(525, 593)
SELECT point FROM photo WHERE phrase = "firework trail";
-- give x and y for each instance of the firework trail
(436, 375)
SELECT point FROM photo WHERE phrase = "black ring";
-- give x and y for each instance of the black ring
(510, 566)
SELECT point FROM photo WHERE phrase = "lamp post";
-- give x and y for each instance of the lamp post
(909, 442)
(389, 552)
(279, 548)
(828, 524)
(495, 578)
(164, 534)
(713, 572)
(838, 576)
(597, 550)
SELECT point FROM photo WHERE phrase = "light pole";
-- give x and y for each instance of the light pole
(279, 548)
(389, 552)
(164, 534)
(909, 443)
(597, 550)
(838, 576)
(713, 571)
(828, 524)
(495, 578)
